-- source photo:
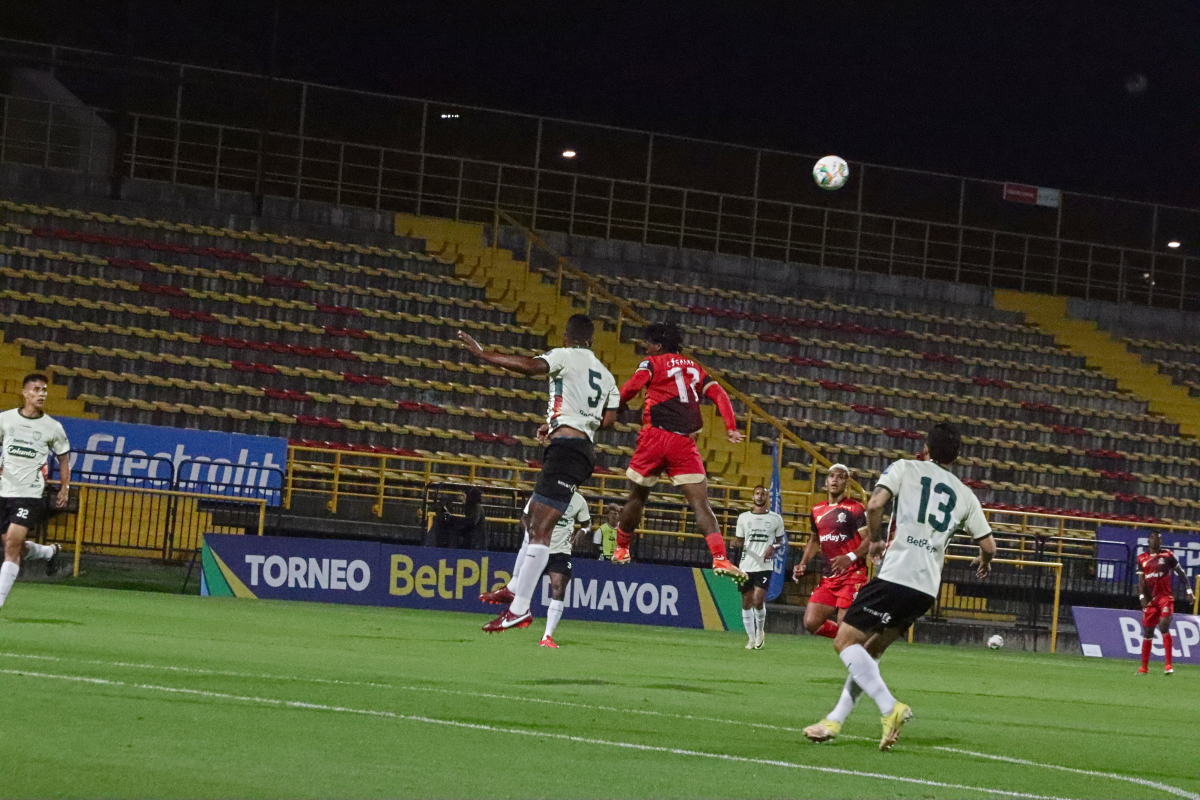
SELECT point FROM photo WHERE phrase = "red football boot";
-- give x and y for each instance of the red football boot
(508, 620)
(500, 597)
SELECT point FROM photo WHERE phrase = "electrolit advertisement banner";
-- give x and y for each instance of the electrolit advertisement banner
(1117, 633)
(364, 573)
(210, 462)
(1118, 546)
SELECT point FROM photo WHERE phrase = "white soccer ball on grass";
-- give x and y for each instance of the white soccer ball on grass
(995, 641)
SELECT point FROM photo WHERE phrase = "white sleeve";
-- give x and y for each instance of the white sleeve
(554, 359)
(975, 523)
(614, 399)
(60, 444)
(584, 516)
(893, 477)
(741, 527)
(779, 529)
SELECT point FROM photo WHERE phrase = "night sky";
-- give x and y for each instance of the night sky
(1092, 96)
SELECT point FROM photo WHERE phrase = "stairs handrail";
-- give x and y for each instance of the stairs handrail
(626, 310)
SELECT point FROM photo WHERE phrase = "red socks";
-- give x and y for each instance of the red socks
(1168, 643)
(716, 544)
(623, 539)
(828, 629)
(1146, 653)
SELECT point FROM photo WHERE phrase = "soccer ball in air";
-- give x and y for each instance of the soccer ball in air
(995, 642)
(831, 172)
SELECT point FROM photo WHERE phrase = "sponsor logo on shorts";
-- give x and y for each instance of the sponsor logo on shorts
(570, 487)
(883, 616)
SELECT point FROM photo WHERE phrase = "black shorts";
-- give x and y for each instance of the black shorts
(566, 464)
(27, 511)
(760, 580)
(559, 564)
(883, 605)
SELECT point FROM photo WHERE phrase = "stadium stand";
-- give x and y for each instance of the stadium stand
(336, 342)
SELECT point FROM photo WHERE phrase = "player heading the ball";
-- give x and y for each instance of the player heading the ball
(583, 399)
(671, 421)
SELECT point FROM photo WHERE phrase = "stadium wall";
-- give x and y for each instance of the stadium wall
(633, 259)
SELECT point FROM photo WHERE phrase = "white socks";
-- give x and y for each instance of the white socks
(553, 615)
(750, 621)
(760, 620)
(38, 552)
(8, 575)
(529, 572)
(512, 582)
(851, 691)
(865, 672)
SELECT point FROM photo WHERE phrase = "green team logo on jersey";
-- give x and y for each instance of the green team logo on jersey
(21, 452)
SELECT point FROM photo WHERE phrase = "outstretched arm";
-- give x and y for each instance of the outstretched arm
(635, 384)
(987, 551)
(876, 535)
(64, 486)
(522, 364)
(810, 552)
(1183, 577)
(714, 392)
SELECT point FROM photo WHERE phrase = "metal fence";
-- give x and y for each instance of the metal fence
(232, 131)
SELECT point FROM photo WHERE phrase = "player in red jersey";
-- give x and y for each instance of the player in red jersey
(1155, 567)
(838, 525)
(675, 386)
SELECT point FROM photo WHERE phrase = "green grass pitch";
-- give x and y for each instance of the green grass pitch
(126, 694)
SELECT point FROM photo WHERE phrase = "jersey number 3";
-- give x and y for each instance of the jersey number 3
(687, 390)
(946, 507)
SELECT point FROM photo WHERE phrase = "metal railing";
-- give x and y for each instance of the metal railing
(383, 480)
(301, 140)
(160, 523)
(1020, 587)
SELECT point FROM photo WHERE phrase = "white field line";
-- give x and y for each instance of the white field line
(198, 670)
(519, 732)
(1177, 792)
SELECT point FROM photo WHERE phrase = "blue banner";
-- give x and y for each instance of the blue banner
(1117, 633)
(779, 562)
(209, 462)
(371, 573)
(1118, 545)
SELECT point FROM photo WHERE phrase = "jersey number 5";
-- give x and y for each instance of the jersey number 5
(594, 382)
(946, 507)
(687, 391)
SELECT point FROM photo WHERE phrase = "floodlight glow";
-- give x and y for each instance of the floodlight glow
(1173, 244)
(568, 153)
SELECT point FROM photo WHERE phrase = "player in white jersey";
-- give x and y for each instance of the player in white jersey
(558, 567)
(931, 505)
(583, 399)
(761, 534)
(27, 436)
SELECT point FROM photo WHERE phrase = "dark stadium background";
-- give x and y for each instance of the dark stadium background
(1090, 96)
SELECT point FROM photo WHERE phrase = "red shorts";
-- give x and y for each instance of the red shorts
(658, 451)
(1159, 607)
(838, 592)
